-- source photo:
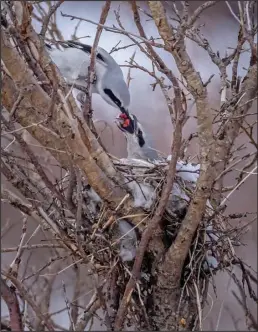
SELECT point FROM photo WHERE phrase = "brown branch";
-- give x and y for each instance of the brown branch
(152, 224)
(79, 204)
(10, 298)
(47, 18)
(31, 247)
(198, 12)
(179, 249)
(87, 110)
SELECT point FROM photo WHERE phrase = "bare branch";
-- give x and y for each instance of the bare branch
(87, 110)
(153, 223)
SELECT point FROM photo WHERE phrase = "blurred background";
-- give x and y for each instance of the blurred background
(221, 29)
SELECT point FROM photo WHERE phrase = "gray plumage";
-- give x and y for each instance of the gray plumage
(138, 142)
(73, 63)
(128, 242)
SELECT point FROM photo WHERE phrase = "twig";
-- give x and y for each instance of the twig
(232, 12)
(238, 185)
(67, 303)
(17, 103)
(198, 12)
(89, 311)
(87, 110)
(152, 225)
(115, 30)
(74, 37)
(47, 18)
(13, 269)
(198, 305)
(76, 295)
(71, 185)
(31, 247)
(129, 78)
(79, 204)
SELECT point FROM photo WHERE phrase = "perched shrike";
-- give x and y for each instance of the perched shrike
(73, 63)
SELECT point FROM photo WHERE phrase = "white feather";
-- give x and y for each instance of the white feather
(143, 194)
(128, 242)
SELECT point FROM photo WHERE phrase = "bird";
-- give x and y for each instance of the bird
(73, 63)
(138, 142)
(139, 146)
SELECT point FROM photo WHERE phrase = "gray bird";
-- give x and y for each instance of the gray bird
(73, 63)
(139, 146)
(138, 142)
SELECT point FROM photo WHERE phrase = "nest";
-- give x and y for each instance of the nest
(212, 249)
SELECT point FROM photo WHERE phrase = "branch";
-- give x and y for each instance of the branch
(178, 251)
(87, 111)
(198, 12)
(31, 247)
(47, 18)
(10, 298)
(153, 223)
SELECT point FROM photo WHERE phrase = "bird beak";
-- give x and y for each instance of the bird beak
(119, 122)
(123, 110)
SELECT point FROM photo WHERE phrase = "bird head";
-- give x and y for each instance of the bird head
(130, 126)
(138, 143)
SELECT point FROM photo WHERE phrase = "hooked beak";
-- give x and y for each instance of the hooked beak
(119, 122)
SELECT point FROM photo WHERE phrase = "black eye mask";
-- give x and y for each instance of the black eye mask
(113, 97)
